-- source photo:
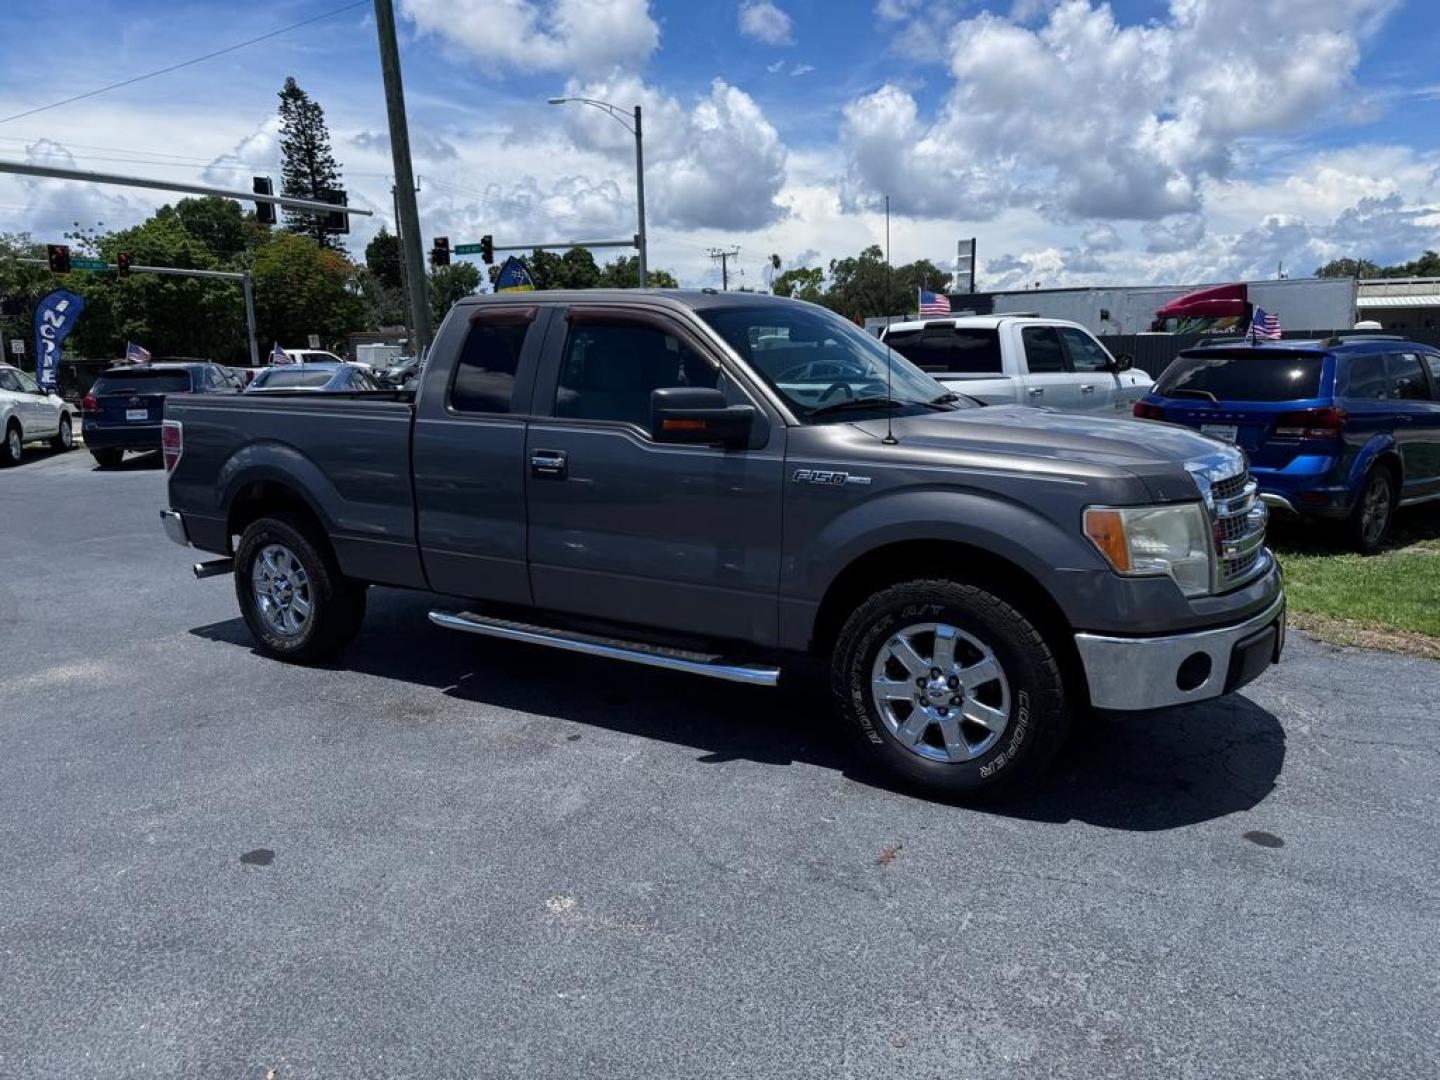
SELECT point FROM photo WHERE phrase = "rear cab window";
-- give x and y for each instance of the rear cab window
(141, 381)
(281, 379)
(1243, 376)
(950, 350)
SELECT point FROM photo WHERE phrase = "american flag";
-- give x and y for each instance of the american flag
(934, 303)
(136, 354)
(1265, 325)
(279, 355)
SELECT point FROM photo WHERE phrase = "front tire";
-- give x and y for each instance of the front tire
(64, 438)
(13, 448)
(107, 458)
(292, 595)
(950, 688)
(1374, 514)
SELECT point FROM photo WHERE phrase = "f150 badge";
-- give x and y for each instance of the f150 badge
(827, 478)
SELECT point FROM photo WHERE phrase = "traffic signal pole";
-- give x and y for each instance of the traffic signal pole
(409, 224)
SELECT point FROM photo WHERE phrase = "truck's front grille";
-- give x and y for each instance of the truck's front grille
(1239, 518)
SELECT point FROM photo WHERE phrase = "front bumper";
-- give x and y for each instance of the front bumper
(174, 526)
(1128, 674)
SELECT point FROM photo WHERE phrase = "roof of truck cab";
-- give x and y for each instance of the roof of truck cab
(696, 299)
(979, 322)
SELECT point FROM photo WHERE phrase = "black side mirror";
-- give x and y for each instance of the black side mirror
(698, 416)
(1123, 362)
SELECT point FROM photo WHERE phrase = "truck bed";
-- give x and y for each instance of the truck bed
(349, 451)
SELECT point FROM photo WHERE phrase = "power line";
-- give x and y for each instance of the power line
(187, 63)
(723, 256)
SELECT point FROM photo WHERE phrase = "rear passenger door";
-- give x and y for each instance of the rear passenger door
(469, 451)
(1048, 379)
(1417, 429)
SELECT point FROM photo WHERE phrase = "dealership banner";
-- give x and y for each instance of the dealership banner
(55, 316)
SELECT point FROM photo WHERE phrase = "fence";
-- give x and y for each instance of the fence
(1152, 353)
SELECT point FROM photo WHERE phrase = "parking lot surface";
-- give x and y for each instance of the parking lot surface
(444, 856)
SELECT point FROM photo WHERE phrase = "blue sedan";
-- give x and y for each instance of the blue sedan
(328, 378)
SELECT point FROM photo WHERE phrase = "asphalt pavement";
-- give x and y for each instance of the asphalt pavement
(446, 857)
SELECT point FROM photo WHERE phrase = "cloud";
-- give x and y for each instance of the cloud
(1108, 121)
(776, 66)
(802, 69)
(585, 37)
(718, 165)
(1101, 237)
(50, 208)
(258, 154)
(763, 21)
(895, 10)
(423, 144)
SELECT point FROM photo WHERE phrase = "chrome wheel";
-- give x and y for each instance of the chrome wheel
(12, 443)
(67, 435)
(282, 590)
(1375, 514)
(941, 692)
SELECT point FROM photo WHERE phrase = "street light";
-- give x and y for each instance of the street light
(623, 117)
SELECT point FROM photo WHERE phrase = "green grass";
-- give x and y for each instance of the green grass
(1396, 591)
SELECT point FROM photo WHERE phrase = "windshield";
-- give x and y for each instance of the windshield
(822, 365)
(276, 378)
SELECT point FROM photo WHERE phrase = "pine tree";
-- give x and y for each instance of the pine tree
(308, 168)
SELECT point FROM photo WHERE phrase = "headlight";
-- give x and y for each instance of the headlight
(1147, 541)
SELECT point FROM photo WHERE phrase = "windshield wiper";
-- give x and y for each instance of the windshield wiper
(1205, 395)
(861, 403)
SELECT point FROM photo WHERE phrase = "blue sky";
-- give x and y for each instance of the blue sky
(1184, 141)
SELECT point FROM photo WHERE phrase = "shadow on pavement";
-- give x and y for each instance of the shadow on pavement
(1140, 773)
(136, 462)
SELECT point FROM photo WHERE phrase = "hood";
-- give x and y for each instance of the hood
(1162, 455)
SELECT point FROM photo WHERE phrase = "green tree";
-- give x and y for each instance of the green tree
(579, 269)
(624, 273)
(302, 288)
(382, 256)
(546, 268)
(803, 283)
(1344, 268)
(384, 306)
(219, 225)
(308, 167)
(21, 286)
(448, 284)
(865, 285)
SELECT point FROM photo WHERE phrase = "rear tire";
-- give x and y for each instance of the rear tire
(64, 438)
(108, 458)
(291, 593)
(991, 719)
(1374, 514)
(12, 449)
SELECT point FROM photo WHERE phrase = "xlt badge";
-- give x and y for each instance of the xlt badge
(828, 478)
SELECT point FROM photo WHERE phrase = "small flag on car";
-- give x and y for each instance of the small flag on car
(279, 355)
(1265, 326)
(136, 354)
(934, 303)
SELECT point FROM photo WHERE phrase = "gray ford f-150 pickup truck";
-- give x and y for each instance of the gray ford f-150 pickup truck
(714, 482)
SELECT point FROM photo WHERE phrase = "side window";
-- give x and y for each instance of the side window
(1043, 355)
(1432, 360)
(24, 383)
(485, 374)
(1086, 354)
(610, 368)
(976, 352)
(8, 382)
(1367, 378)
(1407, 378)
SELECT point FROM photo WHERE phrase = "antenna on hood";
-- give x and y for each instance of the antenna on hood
(890, 439)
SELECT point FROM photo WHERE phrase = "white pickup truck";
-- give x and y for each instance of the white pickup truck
(1010, 360)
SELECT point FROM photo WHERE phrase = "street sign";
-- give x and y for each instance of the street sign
(17, 347)
(314, 341)
(467, 249)
(79, 263)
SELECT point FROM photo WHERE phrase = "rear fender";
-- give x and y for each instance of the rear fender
(281, 464)
(1381, 445)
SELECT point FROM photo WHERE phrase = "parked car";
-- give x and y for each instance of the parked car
(240, 377)
(318, 377)
(1013, 360)
(312, 356)
(30, 414)
(1343, 429)
(630, 475)
(401, 375)
(125, 405)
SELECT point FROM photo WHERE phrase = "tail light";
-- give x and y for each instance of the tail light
(89, 403)
(1322, 423)
(172, 443)
(1146, 411)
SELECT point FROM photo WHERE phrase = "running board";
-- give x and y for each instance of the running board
(213, 568)
(713, 666)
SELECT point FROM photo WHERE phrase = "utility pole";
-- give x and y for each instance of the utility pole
(404, 275)
(408, 222)
(640, 200)
(724, 255)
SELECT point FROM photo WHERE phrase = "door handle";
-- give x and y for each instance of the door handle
(1035, 391)
(1087, 388)
(549, 464)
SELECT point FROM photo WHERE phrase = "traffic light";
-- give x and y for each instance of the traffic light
(58, 256)
(264, 211)
(122, 264)
(487, 248)
(339, 220)
(440, 253)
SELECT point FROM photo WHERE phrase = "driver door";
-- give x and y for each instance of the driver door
(621, 527)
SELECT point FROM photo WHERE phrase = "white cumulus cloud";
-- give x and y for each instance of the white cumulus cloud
(764, 21)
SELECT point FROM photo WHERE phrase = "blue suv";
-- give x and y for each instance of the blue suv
(1344, 429)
